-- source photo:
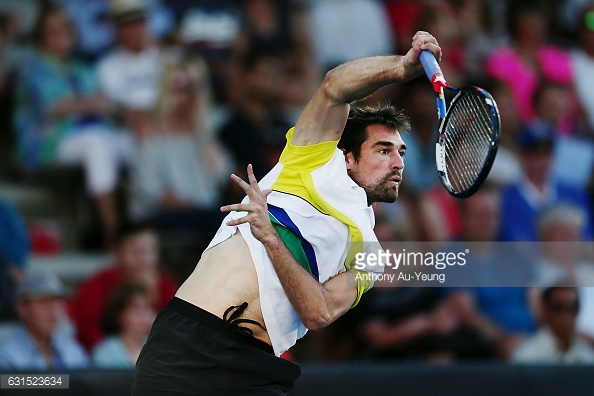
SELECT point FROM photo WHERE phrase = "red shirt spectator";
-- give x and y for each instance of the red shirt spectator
(136, 258)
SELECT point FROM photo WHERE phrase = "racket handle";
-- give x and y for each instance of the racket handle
(430, 64)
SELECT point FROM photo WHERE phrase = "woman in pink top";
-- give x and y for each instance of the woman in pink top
(529, 60)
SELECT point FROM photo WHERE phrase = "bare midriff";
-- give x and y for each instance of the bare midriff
(224, 277)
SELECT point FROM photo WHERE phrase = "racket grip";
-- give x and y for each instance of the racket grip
(430, 64)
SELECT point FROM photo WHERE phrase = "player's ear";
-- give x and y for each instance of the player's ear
(349, 159)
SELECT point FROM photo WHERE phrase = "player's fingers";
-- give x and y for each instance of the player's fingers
(249, 190)
(236, 222)
(428, 37)
(250, 218)
(236, 207)
(252, 178)
(434, 48)
(418, 34)
(240, 182)
(266, 192)
(415, 51)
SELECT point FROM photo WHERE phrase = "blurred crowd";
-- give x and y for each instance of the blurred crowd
(159, 101)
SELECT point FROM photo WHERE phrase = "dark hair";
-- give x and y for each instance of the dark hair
(542, 88)
(46, 11)
(518, 9)
(130, 229)
(355, 130)
(118, 301)
(547, 294)
(249, 60)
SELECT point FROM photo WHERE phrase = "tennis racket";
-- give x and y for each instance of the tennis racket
(468, 135)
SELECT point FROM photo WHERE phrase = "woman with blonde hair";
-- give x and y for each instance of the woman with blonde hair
(180, 167)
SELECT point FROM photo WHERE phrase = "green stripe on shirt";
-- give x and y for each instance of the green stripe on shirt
(292, 241)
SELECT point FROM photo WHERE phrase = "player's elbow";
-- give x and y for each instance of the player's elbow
(332, 89)
(317, 320)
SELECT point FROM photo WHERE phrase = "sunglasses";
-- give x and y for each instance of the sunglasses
(563, 307)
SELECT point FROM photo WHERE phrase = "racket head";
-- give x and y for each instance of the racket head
(467, 142)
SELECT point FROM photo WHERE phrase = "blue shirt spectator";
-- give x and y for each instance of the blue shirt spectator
(43, 83)
(18, 351)
(112, 353)
(508, 307)
(521, 211)
(525, 200)
(36, 343)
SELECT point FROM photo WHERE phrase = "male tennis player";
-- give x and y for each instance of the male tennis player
(282, 262)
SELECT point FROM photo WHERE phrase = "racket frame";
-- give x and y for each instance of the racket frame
(435, 75)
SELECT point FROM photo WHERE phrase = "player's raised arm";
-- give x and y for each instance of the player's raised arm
(325, 115)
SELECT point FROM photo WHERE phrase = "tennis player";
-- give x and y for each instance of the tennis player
(283, 260)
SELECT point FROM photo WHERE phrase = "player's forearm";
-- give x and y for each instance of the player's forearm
(309, 298)
(360, 78)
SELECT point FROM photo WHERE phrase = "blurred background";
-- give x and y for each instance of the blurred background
(121, 121)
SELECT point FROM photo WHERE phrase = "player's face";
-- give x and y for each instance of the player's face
(378, 169)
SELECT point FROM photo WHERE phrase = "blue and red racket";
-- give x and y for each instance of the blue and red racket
(468, 135)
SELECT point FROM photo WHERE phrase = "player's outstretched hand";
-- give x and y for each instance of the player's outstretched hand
(256, 208)
(420, 41)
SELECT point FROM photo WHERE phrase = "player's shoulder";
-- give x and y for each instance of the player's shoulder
(309, 156)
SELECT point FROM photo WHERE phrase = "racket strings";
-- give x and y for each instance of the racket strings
(467, 140)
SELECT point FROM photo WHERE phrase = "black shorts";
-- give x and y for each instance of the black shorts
(193, 352)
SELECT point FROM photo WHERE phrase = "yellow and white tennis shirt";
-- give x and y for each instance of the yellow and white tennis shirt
(322, 216)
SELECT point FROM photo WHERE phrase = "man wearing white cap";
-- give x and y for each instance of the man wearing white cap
(130, 75)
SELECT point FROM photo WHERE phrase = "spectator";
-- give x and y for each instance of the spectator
(61, 116)
(560, 229)
(255, 132)
(36, 343)
(208, 28)
(551, 103)
(556, 341)
(96, 33)
(136, 259)
(130, 75)
(280, 27)
(564, 258)
(537, 190)
(529, 59)
(418, 323)
(180, 168)
(482, 28)
(270, 25)
(503, 315)
(127, 320)
(14, 252)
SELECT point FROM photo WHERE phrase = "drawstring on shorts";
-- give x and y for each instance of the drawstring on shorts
(234, 319)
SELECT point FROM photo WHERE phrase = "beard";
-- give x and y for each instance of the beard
(383, 190)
